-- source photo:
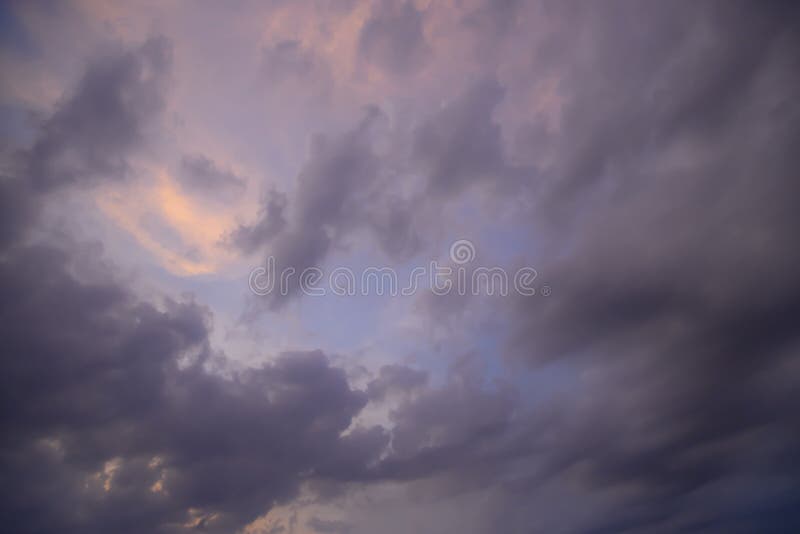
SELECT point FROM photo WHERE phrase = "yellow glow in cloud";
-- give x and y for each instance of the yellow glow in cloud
(198, 226)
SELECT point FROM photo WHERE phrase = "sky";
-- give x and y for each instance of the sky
(599, 201)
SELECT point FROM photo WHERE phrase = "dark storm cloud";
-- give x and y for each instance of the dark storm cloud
(112, 419)
(17, 206)
(664, 220)
(93, 130)
(198, 174)
(608, 448)
(667, 210)
(668, 216)
(91, 375)
(445, 427)
(684, 221)
(393, 39)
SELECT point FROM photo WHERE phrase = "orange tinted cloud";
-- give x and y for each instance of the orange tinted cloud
(198, 227)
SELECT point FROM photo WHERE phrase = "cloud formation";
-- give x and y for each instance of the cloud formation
(118, 416)
(641, 156)
(94, 129)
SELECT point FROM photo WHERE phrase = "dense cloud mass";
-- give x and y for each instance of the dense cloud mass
(641, 155)
(112, 422)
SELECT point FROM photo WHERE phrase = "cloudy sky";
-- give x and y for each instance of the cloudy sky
(637, 161)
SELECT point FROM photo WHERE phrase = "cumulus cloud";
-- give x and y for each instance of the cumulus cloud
(112, 420)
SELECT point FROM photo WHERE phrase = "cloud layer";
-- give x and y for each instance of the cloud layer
(641, 156)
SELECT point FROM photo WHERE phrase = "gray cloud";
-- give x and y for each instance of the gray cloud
(90, 135)
(198, 174)
(393, 39)
(393, 379)
(339, 191)
(270, 223)
(131, 388)
(116, 414)
(323, 526)
(664, 228)
(663, 218)
(17, 208)
(286, 60)
(462, 144)
(337, 171)
(92, 132)
(116, 417)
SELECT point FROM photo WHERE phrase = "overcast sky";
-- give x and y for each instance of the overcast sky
(638, 161)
